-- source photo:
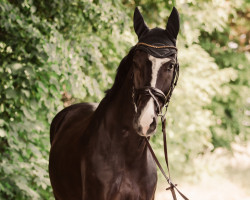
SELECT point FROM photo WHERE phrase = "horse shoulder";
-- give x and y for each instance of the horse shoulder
(80, 111)
(64, 166)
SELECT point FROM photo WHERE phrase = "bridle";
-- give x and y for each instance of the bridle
(156, 94)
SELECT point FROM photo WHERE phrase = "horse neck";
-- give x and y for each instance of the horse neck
(122, 106)
(116, 125)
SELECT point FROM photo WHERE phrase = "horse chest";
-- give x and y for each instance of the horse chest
(116, 183)
(114, 175)
(132, 189)
(124, 186)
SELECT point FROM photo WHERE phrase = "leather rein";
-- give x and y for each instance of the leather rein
(158, 94)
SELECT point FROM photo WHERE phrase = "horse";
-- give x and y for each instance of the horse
(98, 151)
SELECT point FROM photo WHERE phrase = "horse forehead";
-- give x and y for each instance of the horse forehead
(156, 65)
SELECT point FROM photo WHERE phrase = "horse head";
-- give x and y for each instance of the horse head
(155, 71)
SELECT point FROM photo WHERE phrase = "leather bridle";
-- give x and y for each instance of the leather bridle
(156, 94)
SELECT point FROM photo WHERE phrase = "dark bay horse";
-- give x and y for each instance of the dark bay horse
(98, 152)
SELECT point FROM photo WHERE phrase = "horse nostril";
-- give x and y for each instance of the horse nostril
(139, 128)
(153, 125)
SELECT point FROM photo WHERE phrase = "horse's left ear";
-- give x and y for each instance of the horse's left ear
(173, 25)
(139, 25)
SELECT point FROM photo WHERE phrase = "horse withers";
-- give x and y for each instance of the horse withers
(99, 152)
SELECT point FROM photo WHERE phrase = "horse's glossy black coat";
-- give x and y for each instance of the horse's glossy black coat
(109, 161)
(96, 154)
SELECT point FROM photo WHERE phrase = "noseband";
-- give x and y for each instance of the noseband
(156, 94)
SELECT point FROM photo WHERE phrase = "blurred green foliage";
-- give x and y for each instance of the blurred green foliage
(53, 54)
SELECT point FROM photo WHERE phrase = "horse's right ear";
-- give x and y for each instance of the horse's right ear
(139, 24)
(173, 25)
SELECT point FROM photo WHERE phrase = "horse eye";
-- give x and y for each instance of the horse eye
(171, 66)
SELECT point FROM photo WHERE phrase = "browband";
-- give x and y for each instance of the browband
(157, 47)
(158, 50)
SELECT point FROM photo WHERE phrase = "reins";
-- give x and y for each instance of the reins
(172, 187)
(154, 93)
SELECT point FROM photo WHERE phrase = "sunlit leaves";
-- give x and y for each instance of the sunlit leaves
(66, 48)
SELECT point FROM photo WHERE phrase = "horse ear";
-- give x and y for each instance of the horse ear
(139, 24)
(173, 25)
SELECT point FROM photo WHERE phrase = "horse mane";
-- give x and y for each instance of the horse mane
(121, 75)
